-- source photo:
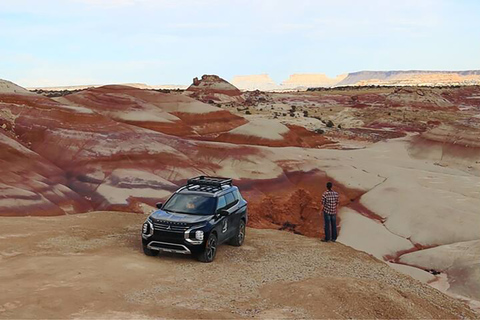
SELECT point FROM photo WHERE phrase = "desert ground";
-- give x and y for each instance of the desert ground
(405, 160)
(91, 265)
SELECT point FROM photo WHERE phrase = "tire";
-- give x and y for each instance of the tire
(239, 237)
(210, 251)
(149, 252)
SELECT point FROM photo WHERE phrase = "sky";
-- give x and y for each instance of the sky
(74, 42)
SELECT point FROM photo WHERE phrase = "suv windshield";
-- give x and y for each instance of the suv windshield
(190, 204)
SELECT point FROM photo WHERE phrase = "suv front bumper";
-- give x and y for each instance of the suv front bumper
(176, 242)
(170, 246)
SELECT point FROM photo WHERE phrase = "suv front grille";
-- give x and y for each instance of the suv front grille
(168, 226)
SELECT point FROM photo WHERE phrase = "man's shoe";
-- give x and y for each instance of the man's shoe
(324, 240)
(334, 240)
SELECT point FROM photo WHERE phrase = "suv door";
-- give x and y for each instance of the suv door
(235, 214)
(223, 222)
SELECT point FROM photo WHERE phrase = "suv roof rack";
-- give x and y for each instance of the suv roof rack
(206, 181)
(207, 184)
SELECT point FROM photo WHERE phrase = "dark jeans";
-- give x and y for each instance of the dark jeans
(330, 223)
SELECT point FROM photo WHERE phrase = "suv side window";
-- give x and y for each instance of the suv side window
(230, 198)
(222, 203)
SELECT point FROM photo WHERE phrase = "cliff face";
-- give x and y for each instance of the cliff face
(411, 77)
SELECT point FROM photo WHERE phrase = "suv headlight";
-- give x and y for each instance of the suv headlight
(199, 235)
(147, 229)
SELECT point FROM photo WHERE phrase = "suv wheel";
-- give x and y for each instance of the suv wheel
(149, 252)
(210, 249)
(239, 237)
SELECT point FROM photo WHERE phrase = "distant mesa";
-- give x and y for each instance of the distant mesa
(297, 81)
(302, 81)
(411, 77)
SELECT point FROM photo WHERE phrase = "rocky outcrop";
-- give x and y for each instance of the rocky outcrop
(213, 89)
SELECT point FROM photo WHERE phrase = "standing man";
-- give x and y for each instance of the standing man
(329, 208)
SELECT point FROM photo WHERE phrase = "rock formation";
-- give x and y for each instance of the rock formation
(213, 89)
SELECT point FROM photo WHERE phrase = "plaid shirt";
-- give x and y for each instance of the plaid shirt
(330, 202)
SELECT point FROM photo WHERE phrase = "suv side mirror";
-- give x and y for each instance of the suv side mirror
(223, 212)
(159, 205)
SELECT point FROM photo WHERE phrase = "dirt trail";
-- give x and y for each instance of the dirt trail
(92, 266)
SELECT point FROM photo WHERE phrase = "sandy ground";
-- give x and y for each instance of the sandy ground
(92, 266)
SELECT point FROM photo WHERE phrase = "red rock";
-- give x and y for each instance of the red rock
(170, 113)
(292, 201)
(31, 185)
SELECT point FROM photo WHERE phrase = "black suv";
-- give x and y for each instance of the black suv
(208, 211)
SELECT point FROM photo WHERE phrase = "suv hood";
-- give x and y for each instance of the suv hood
(179, 217)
